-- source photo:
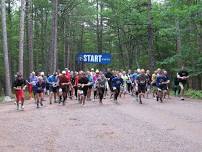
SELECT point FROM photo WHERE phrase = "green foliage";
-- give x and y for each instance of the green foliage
(195, 94)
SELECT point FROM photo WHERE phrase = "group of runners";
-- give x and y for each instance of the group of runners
(97, 85)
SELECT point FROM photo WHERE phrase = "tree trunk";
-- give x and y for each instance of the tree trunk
(21, 42)
(68, 54)
(150, 36)
(5, 50)
(120, 46)
(178, 40)
(64, 42)
(46, 42)
(97, 22)
(99, 30)
(30, 36)
(80, 48)
(12, 62)
(53, 47)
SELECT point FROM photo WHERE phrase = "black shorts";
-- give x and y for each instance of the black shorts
(53, 89)
(153, 84)
(163, 87)
(85, 90)
(110, 86)
(142, 88)
(39, 91)
(90, 86)
(65, 89)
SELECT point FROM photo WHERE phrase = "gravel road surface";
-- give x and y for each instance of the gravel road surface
(173, 126)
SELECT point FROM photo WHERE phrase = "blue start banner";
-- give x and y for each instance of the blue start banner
(104, 58)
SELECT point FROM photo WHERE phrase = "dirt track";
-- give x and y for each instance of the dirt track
(174, 126)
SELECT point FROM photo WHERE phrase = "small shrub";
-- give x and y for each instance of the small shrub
(195, 94)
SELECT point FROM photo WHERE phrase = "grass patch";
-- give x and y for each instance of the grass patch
(195, 94)
(1, 98)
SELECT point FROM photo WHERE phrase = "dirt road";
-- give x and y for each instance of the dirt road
(173, 126)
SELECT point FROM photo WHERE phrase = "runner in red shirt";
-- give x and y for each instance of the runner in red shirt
(19, 86)
(64, 85)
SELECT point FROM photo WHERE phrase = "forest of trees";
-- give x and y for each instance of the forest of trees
(46, 35)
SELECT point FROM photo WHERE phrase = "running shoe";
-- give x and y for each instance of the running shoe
(22, 107)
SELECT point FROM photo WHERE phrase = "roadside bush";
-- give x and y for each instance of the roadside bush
(195, 94)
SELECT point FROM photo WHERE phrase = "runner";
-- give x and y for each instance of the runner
(176, 86)
(129, 82)
(161, 83)
(19, 87)
(95, 77)
(53, 82)
(125, 80)
(168, 81)
(153, 84)
(90, 79)
(109, 76)
(92, 72)
(29, 87)
(33, 81)
(64, 85)
(47, 86)
(71, 88)
(149, 80)
(42, 74)
(117, 81)
(182, 75)
(134, 84)
(69, 78)
(141, 84)
(101, 85)
(40, 85)
(83, 87)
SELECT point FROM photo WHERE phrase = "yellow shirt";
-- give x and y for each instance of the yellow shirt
(154, 76)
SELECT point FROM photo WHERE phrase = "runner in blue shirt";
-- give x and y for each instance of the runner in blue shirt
(117, 81)
(53, 82)
(161, 83)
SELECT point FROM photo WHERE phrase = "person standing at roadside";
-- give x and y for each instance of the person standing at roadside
(182, 76)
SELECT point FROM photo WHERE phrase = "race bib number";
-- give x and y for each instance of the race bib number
(128, 81)
(102, 86)
(40, 88)
(60, 90)
(54, 85)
